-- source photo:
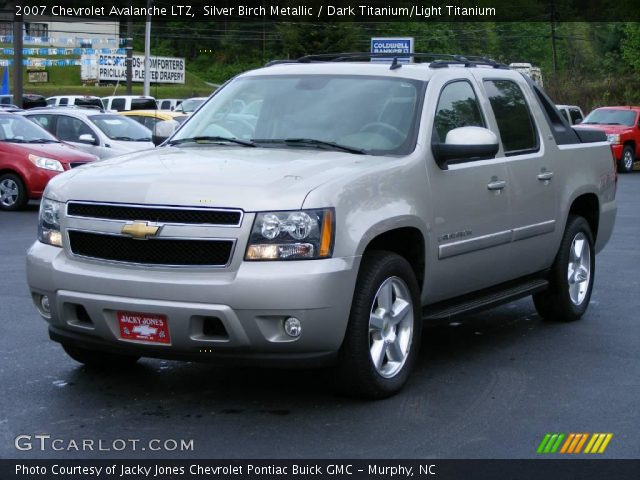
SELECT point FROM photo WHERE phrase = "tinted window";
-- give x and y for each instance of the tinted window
(88, 102)
(143, 104)
(118, 104)
(515, 123)
(64, 101)
(165, 105)
(576, 117)
(457, 107)
(45, 121)
(69, 129)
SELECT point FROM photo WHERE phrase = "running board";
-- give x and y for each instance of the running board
(484, 299)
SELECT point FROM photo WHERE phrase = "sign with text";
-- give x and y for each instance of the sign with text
(394, 46)
(113, 68)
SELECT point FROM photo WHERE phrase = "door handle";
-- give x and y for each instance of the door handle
(542, 176)
(496, 184)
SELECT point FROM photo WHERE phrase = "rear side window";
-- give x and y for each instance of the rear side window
(457, 107)
(143, 104)
(576, 117)
(515, 123)
(89, 102)
(64, 101)
(118, 104)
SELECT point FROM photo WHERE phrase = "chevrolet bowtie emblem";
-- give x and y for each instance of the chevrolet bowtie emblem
(140, 230)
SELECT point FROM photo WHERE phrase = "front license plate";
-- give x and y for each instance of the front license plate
(146, 327)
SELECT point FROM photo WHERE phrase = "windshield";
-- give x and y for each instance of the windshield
(118, 127)
(17, 129)
(376, 115)
(190, 105)
(610, 116)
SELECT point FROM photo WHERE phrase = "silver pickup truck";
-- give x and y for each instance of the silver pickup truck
(319, 212)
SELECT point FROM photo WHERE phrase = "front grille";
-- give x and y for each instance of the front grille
(209, 216)
(155, 251)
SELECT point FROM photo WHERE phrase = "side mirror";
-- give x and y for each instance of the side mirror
(163, 130)
(88, 139)
(465, 143)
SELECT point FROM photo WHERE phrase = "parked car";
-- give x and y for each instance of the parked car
(129, 102)
(190, 104)
(77, 100)
(169, 103)
(149, 118)
(358, 203)
(97, 132)
(29, 157)
(572, 113)
(28, 101)
(622, 126)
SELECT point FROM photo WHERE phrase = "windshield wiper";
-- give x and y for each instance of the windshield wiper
(44, 140)
(312, 142)
(212, 139)
(14, 140)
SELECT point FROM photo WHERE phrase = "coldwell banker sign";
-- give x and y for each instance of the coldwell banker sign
(394, 46)
(108, 67)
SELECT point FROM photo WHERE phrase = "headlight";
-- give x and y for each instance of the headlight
(298, 235)
(613, 138)
(46, 163)
(49, 222)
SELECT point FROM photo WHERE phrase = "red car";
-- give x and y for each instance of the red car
(29, 157)
(622, 126)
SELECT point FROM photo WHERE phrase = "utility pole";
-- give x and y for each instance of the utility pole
(17, 61)
(129, 49)
(147, 51)
(553, 36)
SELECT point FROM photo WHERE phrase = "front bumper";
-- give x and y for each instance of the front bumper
(617, 149)
(251, 303)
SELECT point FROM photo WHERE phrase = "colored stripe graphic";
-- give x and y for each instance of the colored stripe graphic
(573, 443)
(598, 443)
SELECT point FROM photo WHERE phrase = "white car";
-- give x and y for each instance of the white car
(169, 103)
(93, 131)
(75, 100)
(129, 102)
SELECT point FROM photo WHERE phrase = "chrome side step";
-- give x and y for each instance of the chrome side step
(484, 299)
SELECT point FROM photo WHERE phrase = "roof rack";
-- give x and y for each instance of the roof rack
(439, 60)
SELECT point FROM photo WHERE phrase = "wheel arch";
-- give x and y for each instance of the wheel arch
(587, 206)
(406, 241)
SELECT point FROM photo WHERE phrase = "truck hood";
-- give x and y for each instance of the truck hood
(253, 179)
(607, 128)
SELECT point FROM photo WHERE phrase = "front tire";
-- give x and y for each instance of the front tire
(99, 360)
(383, 335)
(571, 277)
(625, 165)
(13, 193)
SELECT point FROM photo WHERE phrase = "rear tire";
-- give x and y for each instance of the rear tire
(384, 324)
(625, 164)
(13, 193)
(99, 360)
(571, 277)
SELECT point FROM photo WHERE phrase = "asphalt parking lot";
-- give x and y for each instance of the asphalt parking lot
(488, 387)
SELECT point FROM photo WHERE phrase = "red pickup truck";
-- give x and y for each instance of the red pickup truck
(622, 126)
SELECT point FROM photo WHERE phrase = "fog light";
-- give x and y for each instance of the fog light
(292, 327)
(44, 304)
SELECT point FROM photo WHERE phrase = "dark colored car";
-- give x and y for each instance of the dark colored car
(29, 157)
(28, 101)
